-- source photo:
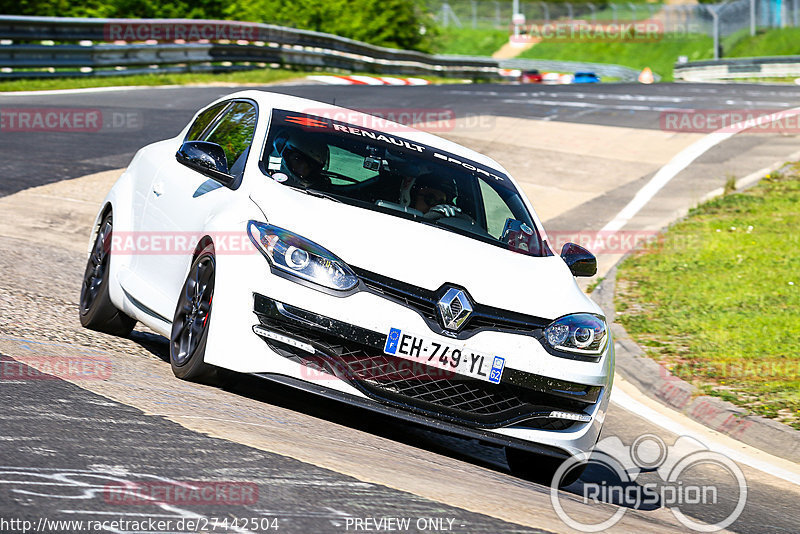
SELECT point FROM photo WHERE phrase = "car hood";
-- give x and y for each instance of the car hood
(427, 256)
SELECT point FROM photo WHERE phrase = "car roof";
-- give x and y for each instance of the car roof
(269, 100)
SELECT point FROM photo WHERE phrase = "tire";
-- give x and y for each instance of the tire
(187, 346)
(538, 468)
(95, 308)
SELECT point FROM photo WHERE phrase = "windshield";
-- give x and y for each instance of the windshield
(384, 172)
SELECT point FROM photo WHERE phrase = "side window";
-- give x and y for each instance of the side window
(203, 120)
(234, 133)
(497, 211)
(347, 164)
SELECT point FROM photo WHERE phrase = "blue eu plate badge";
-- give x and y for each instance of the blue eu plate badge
(392, 340)
(497, 369)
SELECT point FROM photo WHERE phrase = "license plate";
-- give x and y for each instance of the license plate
(446, 356)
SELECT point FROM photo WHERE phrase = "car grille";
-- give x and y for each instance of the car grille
(413, 386)
(423, 301)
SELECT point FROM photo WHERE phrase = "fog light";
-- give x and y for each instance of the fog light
(583, 418)
(269, 334)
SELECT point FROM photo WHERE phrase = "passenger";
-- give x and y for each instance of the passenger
(302, 160)
(434, 196)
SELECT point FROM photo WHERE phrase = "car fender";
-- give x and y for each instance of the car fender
(239, 268)
(118, 202)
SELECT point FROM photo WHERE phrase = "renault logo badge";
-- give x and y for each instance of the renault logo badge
(454, 308)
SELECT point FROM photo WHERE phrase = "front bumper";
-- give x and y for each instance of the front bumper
(232, 344)
(355, 355)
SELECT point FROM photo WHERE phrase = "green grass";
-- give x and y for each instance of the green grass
(259, 77)
(469, 42)
(718, 300)
(660, 56)
(776, 42)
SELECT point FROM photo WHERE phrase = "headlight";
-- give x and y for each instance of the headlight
(581, 333)
(300, 257)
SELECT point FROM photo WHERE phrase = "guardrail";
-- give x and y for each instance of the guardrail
(739, 68)
(257, 45)
(103, 47)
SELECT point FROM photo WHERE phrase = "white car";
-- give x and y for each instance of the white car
(360, 260)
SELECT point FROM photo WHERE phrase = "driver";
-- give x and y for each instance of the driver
(302, 159)
(434, 195)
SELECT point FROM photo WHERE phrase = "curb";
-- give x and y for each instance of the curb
(658, 383)
(355, 79)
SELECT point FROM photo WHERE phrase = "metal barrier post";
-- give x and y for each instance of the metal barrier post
(715, 21)
(546, 12)
(474, 14)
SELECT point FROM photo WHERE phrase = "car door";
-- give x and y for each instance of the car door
(182, 199)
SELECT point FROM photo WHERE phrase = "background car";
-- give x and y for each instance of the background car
(531, 76)
(586, 77)
(389, 269)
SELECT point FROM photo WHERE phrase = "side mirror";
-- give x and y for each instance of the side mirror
(207, 158)
(579, 260)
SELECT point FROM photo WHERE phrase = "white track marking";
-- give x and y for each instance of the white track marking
(331, 80)
(569, 104)
(743, 103)
(629, 403)
(678, 163)
(357, 79)
(418, 81)
(368, 80)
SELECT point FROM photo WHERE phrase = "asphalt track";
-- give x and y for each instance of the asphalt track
(133, 119)
(60, 435)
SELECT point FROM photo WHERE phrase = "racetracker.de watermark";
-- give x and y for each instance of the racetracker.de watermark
(766, 121)
(401, 119)
(189, 493)
(56, 368)
(238, 242)
(621, 241)
(147, 243)
(378, 369)
(589, 32)
(734, 370)
(187, 31)
(69, 120)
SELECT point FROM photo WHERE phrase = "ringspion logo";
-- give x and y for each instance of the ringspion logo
(680, 486)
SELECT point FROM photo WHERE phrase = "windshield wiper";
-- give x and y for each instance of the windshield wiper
(317, 193)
